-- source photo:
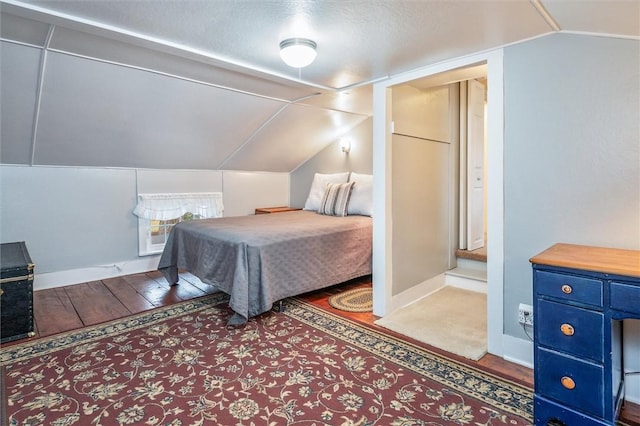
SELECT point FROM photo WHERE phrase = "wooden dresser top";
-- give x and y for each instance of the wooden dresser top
(599, 259)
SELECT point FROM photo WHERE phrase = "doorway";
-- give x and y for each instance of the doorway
(426, 116)
(384, 299)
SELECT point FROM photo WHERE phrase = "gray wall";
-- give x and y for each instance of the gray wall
(333, 160)
(70, 217)
(81, 218)
(571, 152)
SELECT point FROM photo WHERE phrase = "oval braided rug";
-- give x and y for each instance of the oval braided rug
(356, 300)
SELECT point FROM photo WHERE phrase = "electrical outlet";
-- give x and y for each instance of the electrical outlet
(525, 314)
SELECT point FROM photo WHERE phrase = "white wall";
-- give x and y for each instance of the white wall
(333, 160)
(78, 223)
(423, 158)
(423, 113)
(244, 191)
(153, 181)
(421, 199)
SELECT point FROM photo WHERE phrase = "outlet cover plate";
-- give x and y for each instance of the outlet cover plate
(525, 314)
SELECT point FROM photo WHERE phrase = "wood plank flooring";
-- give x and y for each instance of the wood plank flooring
(67, 308)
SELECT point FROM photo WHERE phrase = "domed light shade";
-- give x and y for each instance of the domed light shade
(297, 52)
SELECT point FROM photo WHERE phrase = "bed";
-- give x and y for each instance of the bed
(262, 259)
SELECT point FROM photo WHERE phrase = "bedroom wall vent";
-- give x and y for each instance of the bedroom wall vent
(298, 52)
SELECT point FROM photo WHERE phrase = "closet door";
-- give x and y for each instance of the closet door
(421, 215)
(475, 165)
(423, 182)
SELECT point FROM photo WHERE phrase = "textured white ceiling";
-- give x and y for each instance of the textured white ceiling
(615, 17)
(358, 40)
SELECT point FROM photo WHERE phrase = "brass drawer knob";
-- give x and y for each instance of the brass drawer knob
(567, 329)
(568, 382)
(566, 289)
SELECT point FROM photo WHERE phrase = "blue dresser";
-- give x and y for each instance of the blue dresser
(581, 296)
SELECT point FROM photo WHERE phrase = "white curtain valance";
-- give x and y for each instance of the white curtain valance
(202, 205)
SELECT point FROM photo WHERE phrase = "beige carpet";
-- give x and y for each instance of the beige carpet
(451, 319)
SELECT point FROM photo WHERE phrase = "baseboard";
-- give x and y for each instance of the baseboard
(466, 283)
(471, 264)
(94, 273)
(416, 292)
(632, 389)
(518, 351)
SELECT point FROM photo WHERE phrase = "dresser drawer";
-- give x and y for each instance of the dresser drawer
(587, 392)
(545, 411)
(570, 329)
(625, 297)
(569, 287)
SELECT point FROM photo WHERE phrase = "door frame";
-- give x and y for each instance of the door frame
(382, 197)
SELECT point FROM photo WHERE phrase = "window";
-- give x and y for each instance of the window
(158, 213)
(154, 234)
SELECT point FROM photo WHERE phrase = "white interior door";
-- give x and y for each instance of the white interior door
(475, 164)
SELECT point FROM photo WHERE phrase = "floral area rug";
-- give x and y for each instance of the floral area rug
(182, 365)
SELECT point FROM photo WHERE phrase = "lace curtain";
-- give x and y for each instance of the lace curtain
(199, 205)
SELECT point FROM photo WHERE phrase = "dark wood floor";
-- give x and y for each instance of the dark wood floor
(67, 308)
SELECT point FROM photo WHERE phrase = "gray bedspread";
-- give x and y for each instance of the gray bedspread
(261, 259)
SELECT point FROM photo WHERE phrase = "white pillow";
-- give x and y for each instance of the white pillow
(319, 185)
(361, 201)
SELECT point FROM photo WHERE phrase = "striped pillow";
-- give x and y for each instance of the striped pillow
(336, 199)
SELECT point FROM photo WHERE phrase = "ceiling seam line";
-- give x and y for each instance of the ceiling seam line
(259, 129)
(300, 102)
(362, 83)
(21, 43)
(191, 80)
(537, 4)
(157, 41)
(302, 82)
(38, 100)
(605, 35)
(420, 138)
(181, 48)
(166, 74)
(251, 136)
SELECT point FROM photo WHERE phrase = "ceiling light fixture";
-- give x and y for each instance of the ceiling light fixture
(298, 52)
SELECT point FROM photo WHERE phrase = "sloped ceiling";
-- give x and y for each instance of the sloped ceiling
(195, 84)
